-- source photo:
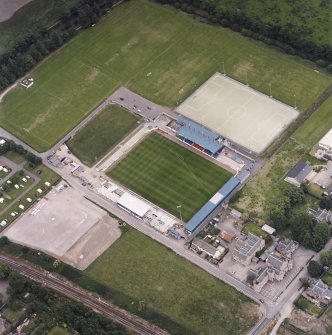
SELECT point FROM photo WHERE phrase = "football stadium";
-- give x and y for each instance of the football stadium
(238, 112)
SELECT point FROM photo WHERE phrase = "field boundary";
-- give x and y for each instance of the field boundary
(297, 123)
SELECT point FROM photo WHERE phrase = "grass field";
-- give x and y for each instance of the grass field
(30, 19)
(169, 175)
(316, 126)
(158, 278)
(102, 134)
(308, 19)
(140, 38)
(58, 331)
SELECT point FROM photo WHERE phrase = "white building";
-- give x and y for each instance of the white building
(326, 141)
(133, 205)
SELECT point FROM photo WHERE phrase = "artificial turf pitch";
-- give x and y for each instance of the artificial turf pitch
(169, 175)
(157, 52)
(102, 134)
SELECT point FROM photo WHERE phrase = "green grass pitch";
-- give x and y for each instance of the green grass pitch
(169, 175)
(147, 272)
(159, 53)
(101, 134)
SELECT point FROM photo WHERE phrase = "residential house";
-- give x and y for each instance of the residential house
(207, 248)
(299, 173)
(287, 247)
(319, 291)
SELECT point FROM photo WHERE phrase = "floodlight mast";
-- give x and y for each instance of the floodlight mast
(179, 208)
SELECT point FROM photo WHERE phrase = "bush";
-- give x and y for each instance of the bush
(315, 269)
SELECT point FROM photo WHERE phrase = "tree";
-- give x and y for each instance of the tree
(326, 202)
(4, 271)
(315, 269)
(329, 67)
(326, 257)
(300, 225)
(320, 235)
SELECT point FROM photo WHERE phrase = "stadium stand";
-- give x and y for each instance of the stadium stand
(223, 193)
(199, 137)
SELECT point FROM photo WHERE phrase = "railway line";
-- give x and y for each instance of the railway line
(131, 322)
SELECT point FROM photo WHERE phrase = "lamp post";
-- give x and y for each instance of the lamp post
(295, 105)
(179, 207)
(270, 90)
(223, 68)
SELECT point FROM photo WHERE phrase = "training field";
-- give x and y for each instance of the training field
(238, 112)
(147, 274)
(157, 52)
(101, 134)
(169, 175)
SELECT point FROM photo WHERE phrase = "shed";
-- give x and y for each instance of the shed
(270, 230)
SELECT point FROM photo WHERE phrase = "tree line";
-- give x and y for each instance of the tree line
(33, 48)
(289, 213)
(47, 309)
(272, 34)
(29, 156)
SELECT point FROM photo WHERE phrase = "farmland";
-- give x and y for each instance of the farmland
(101, 134)
(175, 288)
(169, 175)
(157, 52)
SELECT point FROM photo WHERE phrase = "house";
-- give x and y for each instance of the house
(287, 247)
(279, 265)
(320, 215)
(319, 291)
(246, 248)
(299, 173)
(207, 248)
(276, 269)
(226, 236)
(261, 278)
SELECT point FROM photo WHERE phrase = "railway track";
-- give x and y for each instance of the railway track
(130, 321)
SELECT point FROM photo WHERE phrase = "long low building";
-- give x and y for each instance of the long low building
(223, 193)
(133, 205)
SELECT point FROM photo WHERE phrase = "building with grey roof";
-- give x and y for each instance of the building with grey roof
(320, 215)
(319, 291)
(246, 248)
(298, 174)
(287, 247)
(207, 248)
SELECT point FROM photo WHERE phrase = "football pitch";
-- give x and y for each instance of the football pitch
(169, 175)
(101, 134)
(238, 112)
(159, 53)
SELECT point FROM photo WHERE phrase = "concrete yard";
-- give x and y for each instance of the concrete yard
(238, 112)
(67, 226)
(9, 7)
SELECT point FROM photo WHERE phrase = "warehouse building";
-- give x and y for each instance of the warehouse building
(199, 137)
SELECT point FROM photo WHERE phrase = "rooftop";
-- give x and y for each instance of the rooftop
(327, 139)
(300, 171)
(247, 247)
(133, 204)
(199, 135)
